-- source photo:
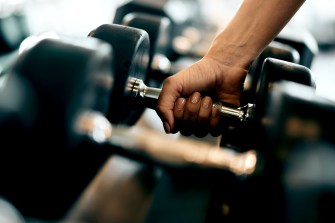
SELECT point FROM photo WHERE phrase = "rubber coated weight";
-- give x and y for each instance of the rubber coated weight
(188, 13)
(158, 29)
(131, 59)
(275, 50)
(275, 70)
(80, 73)
(65, 78)
(302, 40)
(296, 114)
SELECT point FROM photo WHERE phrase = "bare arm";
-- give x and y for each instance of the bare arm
(254, 26)
(186, 98)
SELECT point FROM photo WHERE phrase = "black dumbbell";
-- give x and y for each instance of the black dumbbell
(274, 50)
(272, 72)
(158, 29)
(304, 116)
(131, 56)
(42, 95)
(189, 30)
(302, 40)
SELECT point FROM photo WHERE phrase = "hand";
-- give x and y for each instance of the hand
(185, 103)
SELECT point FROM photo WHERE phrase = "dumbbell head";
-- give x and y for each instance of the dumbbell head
(302, 40)
(294, 113)
(275, 50)
(273, 71)
(67, 77)
(188, 13)
(131, 60)
(158, 29)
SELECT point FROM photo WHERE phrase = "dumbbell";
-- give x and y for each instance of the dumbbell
(36, 127)
(158, 29)
(274, 50)
(302, 40)
(272, 71)
(308, 116)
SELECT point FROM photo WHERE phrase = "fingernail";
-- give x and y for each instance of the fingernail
(195, 98)
(167, 128)
(180, 103)
(206, 103)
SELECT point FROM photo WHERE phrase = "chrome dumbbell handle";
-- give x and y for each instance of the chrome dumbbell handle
(243, 114)
(148, 96)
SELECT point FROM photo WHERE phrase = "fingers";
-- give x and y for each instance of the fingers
(166, 102)
(178, 114)
(197, 116)
(190, 116)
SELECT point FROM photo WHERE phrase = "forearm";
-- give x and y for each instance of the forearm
(254, 26)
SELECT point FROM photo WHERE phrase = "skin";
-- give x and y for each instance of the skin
(185, 103)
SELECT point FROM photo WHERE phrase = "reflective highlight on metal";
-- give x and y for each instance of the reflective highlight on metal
(94, 125)
(244, 113)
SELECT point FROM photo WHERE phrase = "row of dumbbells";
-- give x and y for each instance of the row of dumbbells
(68, 93)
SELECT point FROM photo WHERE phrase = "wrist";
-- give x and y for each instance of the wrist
(232, 53)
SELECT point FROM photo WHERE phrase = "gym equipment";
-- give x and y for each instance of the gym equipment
(275, 50)
(131, 53)
(302, 40)
(189, 30)
(304, 115)
(43, 123)
(158, 29)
